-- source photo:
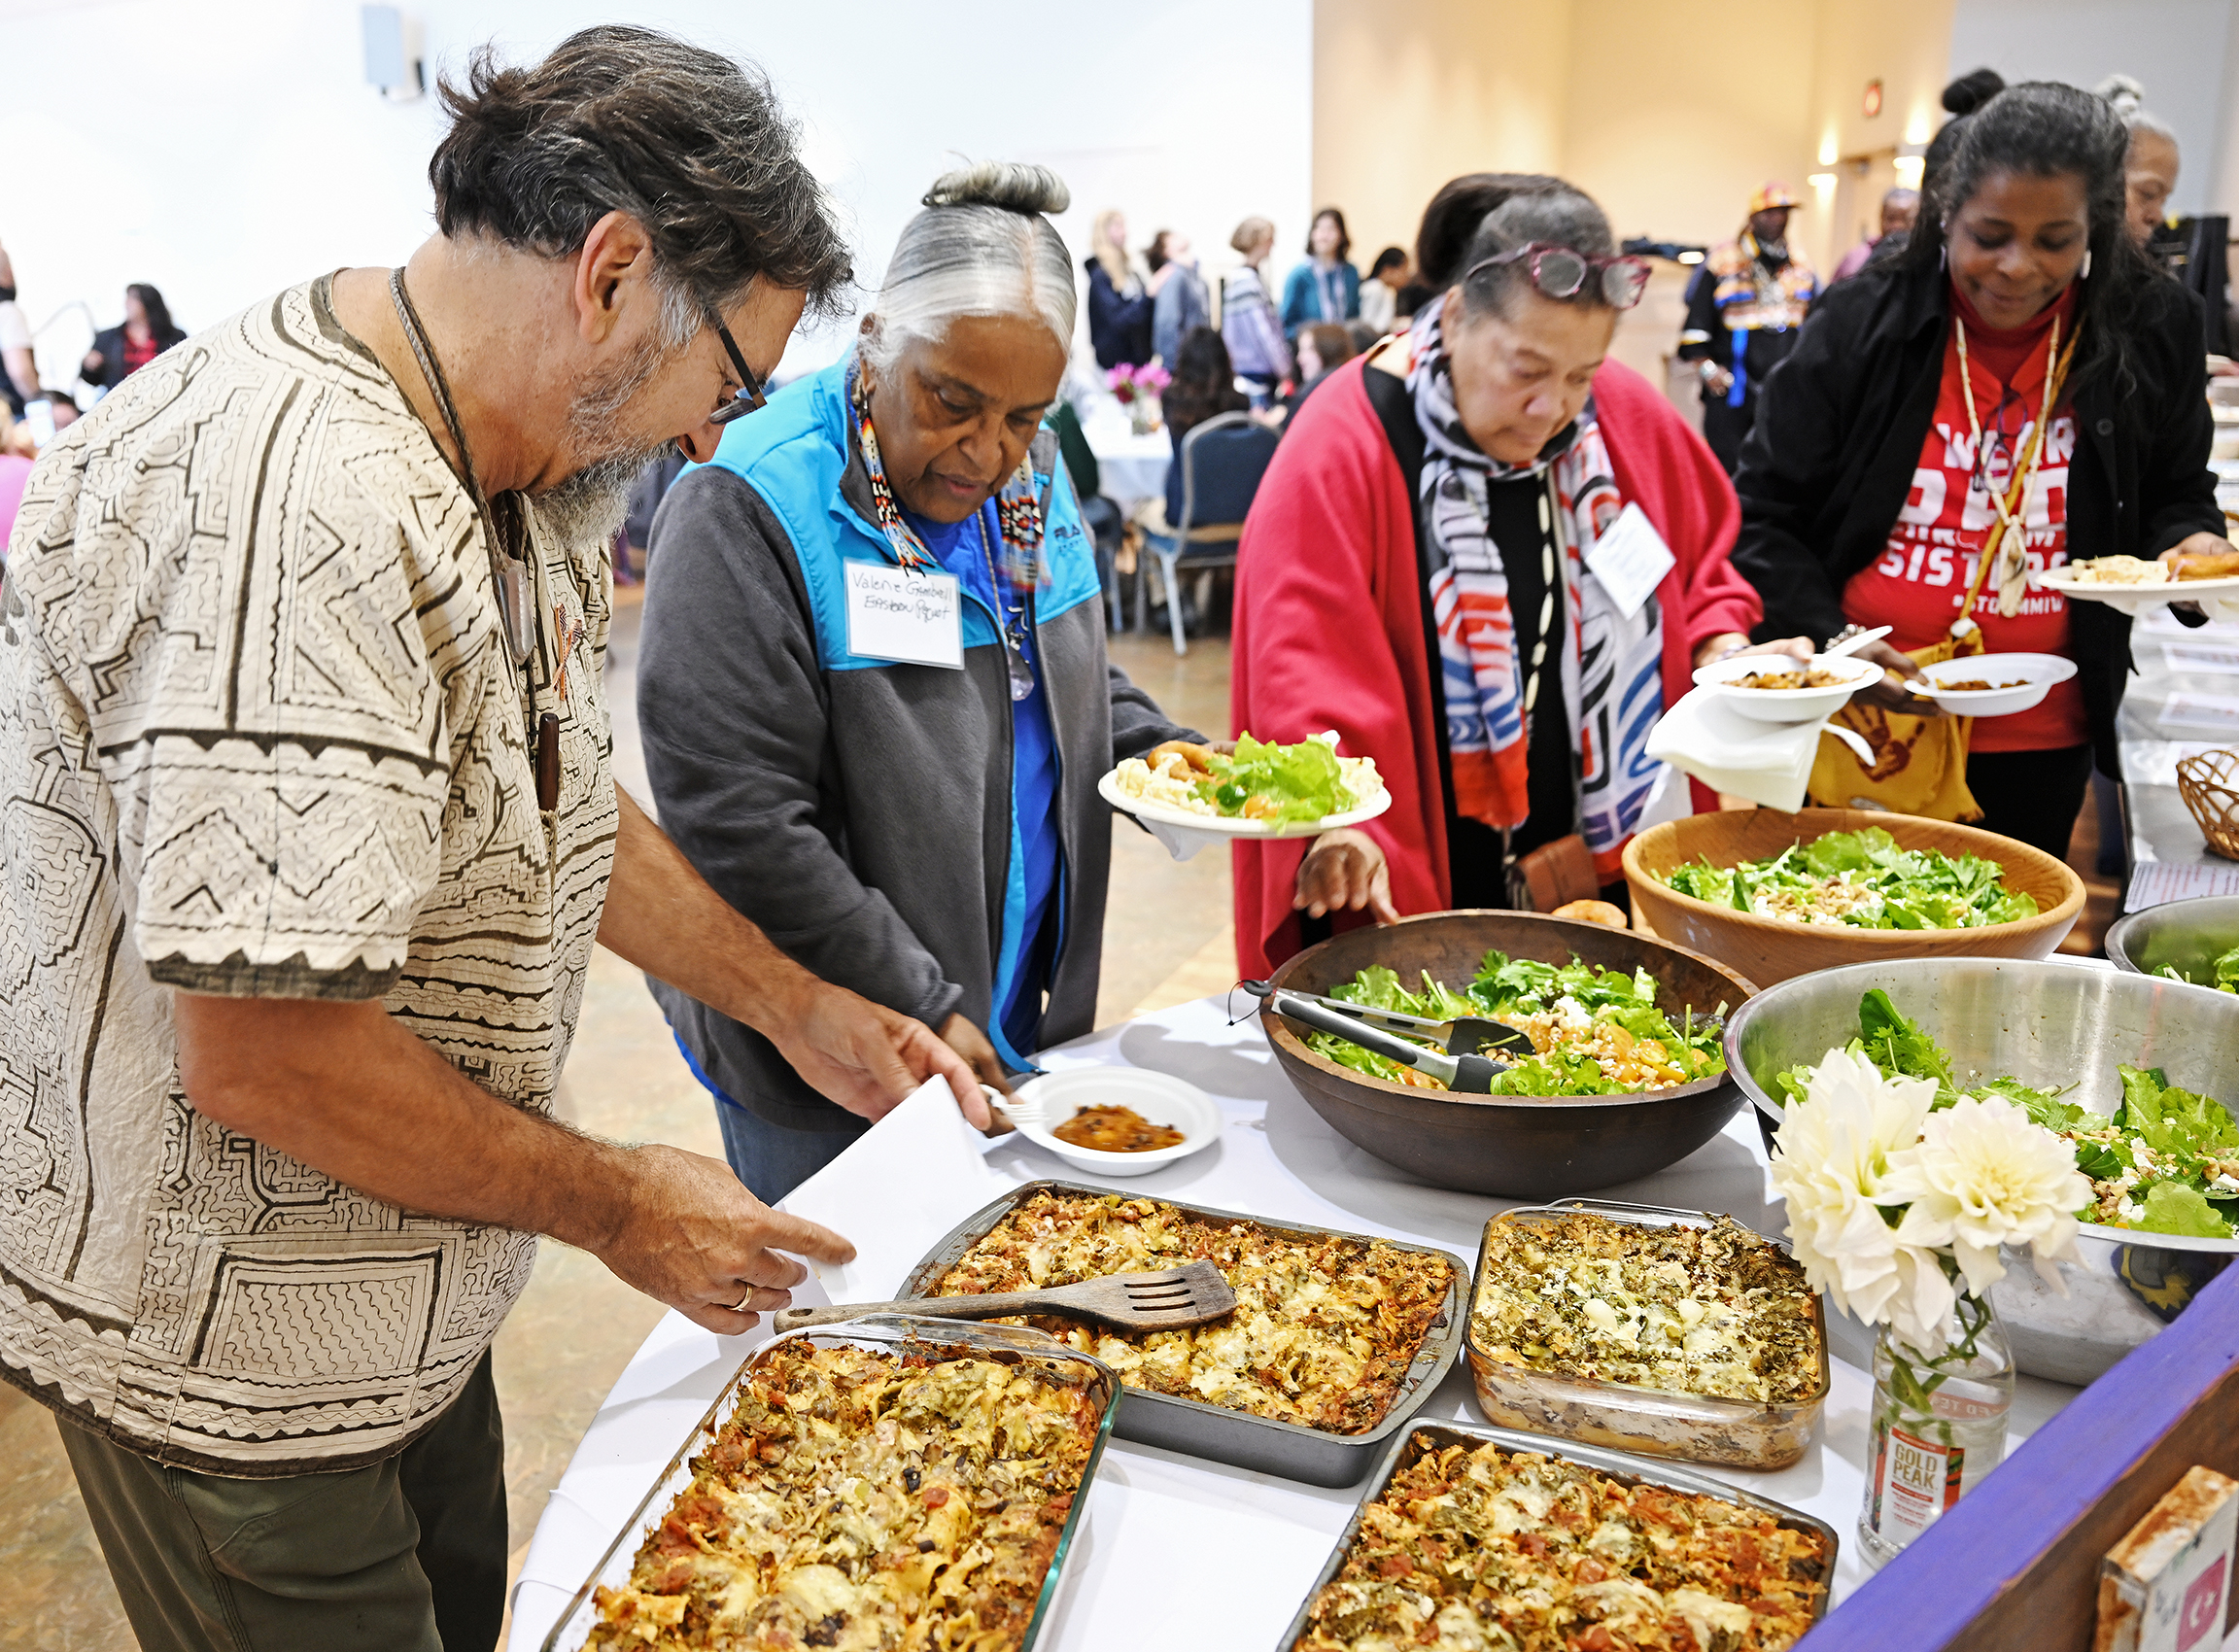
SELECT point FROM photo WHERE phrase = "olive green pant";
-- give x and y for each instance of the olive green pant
(407, 1556)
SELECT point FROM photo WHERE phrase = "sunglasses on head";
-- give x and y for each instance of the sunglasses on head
(1560, 272)
(749, 396)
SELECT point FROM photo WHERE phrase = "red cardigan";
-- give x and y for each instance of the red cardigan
(1329, 629)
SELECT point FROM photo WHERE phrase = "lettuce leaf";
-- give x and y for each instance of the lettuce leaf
(1898, 1046)
(2172, 1120)
(1916, 888)
(1298, 782)
(2172, 1207)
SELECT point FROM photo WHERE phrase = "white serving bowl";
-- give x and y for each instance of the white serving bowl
(1785, 705)
(2036, 674)
(1041, 1104)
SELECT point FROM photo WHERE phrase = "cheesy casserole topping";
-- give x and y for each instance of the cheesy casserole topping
(860, 1500)
(1719, 1311)
(1324, 1331)
(1477, 1549)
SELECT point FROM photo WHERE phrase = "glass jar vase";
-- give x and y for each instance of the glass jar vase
(1938, 1423)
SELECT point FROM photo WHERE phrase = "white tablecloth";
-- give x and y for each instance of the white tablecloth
(1174, 1551)
(1130, 467)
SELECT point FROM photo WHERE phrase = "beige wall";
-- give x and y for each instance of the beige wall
(1640, 102)
(1408, 94)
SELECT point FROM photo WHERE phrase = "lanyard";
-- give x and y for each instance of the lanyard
(1012, 621)
(2007, 540)
(520, 623)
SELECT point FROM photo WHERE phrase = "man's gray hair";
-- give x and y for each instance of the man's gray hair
(689, 143)
(982, 247)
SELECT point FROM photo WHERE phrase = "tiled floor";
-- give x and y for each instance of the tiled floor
(1167, 939)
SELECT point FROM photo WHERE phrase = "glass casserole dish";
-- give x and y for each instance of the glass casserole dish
(1623, 1415)
(896, 1334)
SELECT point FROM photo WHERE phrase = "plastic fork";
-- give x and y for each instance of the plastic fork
(1173, 1299)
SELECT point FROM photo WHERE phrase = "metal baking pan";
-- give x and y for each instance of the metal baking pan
(1734, 1433)
(1616, 1465)
(1201, 1429)
(900, 1331)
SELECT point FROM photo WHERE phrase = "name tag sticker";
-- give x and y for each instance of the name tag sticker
(912, 618)
(1630, 560)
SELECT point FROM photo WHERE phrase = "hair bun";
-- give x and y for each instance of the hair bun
(1015, 185)
(1971, 91)
(2122, 92)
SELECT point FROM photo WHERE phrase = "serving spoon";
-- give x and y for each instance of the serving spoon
(1461, 1035)
(1469, 1075)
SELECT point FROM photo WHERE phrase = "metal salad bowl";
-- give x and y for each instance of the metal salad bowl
(2051, 1024)
(2189, 935)
(1516, 1147)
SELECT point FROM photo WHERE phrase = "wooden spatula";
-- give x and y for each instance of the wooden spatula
(1191, 1294)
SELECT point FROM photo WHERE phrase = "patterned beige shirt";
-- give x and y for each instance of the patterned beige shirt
(258, 736)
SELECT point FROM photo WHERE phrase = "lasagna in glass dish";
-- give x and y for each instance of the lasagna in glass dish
(1326, 1329)
(1672, 1332)
(867, 1496)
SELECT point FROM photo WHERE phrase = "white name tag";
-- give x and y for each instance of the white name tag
(910, 618)
(1630, 560)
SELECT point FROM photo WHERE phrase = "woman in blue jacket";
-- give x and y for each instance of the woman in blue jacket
(873, 682)
(1324, 288)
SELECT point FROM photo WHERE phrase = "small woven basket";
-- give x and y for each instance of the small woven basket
(2209, 785)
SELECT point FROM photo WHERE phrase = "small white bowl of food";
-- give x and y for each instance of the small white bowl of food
(1778, 688)
(1114, 1120)
(1994, 685)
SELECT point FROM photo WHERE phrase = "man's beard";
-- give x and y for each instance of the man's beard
(587, 508)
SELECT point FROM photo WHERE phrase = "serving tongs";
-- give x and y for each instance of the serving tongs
(1171, 1299)
(1469, 1074)
(1461, 1035)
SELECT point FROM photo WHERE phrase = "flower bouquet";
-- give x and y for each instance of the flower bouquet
(1137, 388)
(1897, 1211)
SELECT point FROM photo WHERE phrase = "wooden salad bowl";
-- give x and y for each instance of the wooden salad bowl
(1517, 1147)
(1768, 949)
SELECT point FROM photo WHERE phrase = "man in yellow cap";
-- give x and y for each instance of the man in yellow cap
(1744, 308)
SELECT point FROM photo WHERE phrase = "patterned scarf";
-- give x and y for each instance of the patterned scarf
(1611, 665)
(1018, 508)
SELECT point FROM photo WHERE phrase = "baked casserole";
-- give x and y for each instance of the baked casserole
(1718, 1311)
(858, 1499)
(1473, 1548)
(1324, 1330)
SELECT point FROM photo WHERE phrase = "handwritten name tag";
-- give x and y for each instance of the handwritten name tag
(1630, 560)
(909, 617)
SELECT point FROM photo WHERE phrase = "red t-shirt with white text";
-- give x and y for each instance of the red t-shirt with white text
(1920, 579)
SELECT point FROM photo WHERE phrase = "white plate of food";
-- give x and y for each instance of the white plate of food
(1119, 1107)
(1257, 792)
(2134, 584)
(1995, 685)
(1778, 688)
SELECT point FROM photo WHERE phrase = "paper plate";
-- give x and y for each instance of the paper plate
(2037, 674)
(1041, 1104)
(1214, 826)
(2219, 597)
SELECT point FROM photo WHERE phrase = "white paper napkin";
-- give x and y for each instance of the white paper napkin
(1767, 762)
(917, 1172)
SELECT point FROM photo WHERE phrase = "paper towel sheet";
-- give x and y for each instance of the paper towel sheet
(1767, 762)
(917, 1170)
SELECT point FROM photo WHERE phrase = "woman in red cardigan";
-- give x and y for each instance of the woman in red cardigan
(1445, 564)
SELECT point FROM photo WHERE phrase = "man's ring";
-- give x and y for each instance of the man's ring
(739, 1306)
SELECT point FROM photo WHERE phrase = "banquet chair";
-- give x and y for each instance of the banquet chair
(1220, 463)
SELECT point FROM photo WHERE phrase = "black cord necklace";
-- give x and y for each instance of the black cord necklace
(519, 625)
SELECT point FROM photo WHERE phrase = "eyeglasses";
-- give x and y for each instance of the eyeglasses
(749, 396)
(1561, 271)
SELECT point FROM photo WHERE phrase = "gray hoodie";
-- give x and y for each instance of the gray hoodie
(859, 810)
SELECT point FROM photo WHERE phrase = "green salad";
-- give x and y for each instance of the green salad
(2166, 1162)
(2222, 974)
(1284, 785)
(1594, 1031)
(1863, 879)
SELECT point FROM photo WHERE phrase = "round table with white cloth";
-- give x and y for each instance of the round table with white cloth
(1130, 467)
(1174, 1550)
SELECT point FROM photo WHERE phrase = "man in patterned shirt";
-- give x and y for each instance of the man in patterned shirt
(307, 830)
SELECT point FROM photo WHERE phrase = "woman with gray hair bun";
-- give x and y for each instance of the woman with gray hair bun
(2150, 164)
(873, 685)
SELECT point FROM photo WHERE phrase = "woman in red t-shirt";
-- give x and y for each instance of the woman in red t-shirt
(1889, 438)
